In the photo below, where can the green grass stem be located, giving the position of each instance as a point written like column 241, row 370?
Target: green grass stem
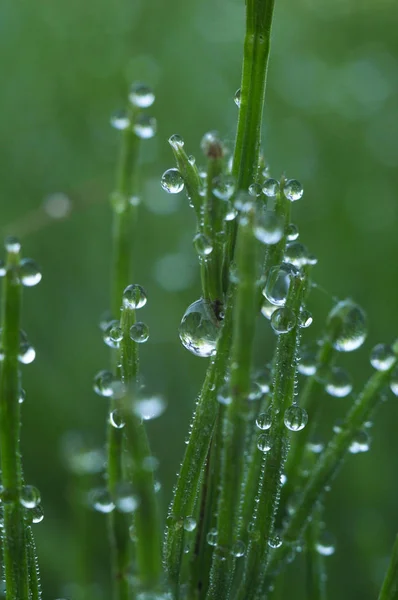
column 389, row 589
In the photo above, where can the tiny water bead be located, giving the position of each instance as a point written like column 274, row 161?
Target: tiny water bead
column 202, row 245
column 120, row 120
column 29, row 272
column 145, row 126
column 338, row 383
column 176, row 142
column 172, row 181
column 149, row 407
column 360, row 443
column 190, row 524
column 293, row 190
column 283, row 320
column 238, row 549
column 199, row 329
column 30, row 496
column 382, row 357
column 278, row 283
column 270, row 188
column 268, row 227
column 237, row 97
column 295, row 418
column 305, row 319
column 134, row 296
column 113, row 334
column 275, row 542
column 101, row 501
column 264, row 442
column 264, row 420
column 347, row 326
column 139, row 332
column 108, row 385
column 141, row 95
column 292, row 232
column 116, row 419
column 325, row 544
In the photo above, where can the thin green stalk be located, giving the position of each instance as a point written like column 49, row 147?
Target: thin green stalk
column 236, row 414
column 35, row 592
column 284, row 371
column 213, row 228
column 14, row 541
column 389, row 589
column 327, row 466
column 186, row 491
column 146, row 516
column 315, row 562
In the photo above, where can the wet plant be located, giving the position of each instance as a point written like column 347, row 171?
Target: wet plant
column 249, row 497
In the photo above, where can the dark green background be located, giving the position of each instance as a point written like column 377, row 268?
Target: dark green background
column 330, row 121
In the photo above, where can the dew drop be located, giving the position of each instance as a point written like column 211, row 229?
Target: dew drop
column 172, row 181
column 325, row 544
column 202, row 244
column 134, row 296
column 275, row 542
column 116, row 419
column 338, row 383
column 3, row 269
column 29, row 272
column 120, row 120
column 211, row 537
column 238, row 549
column 305, row 319
column 237, row 97
column 263, row 379
column 307, row 364
column 278, row 283
column 22, row 396
column 283, row 320
column 271, row 188
column 27, row 353
column 37, row 514
column 113, row 334
column 107, row 385
column 292, row 232
column 30, row 496
column 177, row 143
column 199, row 329
column 224, row 395
column 255, row 190
column 145, row 126
column 267, row 309
column 101, row 501
column 295, row 418
column 224, row 187
column 230, row 213
column 125, row 500
column 264, row 420
column 139, row 332
column 347, row 326
column 382, row 357
column 141, row 95
column 189, row 524
column 293, row 190
column 149, row 407
column 296, row 254
column 264, row 442
column 360, row 443
column 268, row 227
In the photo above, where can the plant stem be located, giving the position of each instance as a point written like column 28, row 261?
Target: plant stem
column 213, row 228
column 14, row 541
column 34, row 578
column 316, row 572
column 389, row 589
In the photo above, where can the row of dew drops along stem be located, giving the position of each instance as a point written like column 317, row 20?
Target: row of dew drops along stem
column 144, row 126
column 28, row 274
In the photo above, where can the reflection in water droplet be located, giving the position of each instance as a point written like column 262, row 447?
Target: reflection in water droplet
column 283, row 320
column 202, row 244
column 264, row 442
column 382, row 357
column 139, row 332
column 360, row 443
column 145, row 126
column 172, row 181
column 120, row 120
column 347, row 326
column 293, row 190
column 270, row 187
column 295, row 418
column 338, row 383
column 268, row 227
column 199, row 329
column 134, row 296
column 237, row 97
column 141, row 95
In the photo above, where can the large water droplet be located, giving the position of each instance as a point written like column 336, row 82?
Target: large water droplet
column 264, row 442
column 36, row 514
column 107, row 385
column 101, row 501
column 292, row 232
column 30, row 496
column 29, row 272
column 347, row 326
column 382, row 357
column 267, row 309
column 275, row 542
column 125, row 499
column 283, row 320
column 278, row 283
column 27, row 353
column 296, row 254
column 238, row 549
column 295, row 418
column 149, row 407
column 199, row 329
column 116, row 419
column 338, row 383
column 293, row 190
column 270, row 188
column 120, row 120
column 224, row 187
column 172, row 181
column 134, row 296
column 307, row 363
column 325, row 544
column 145, row 126
column 113, row 334
column 360, row 443
column 141, row 95
column 139, row 332
column 264, row 420
column 202, row 244
column 255, row 190
column 268, row 227
column 189, row 524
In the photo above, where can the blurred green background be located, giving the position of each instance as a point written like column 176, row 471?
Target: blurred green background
column 330, row 121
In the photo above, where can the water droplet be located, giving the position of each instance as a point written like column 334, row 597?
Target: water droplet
column 293, row 190
column 264, row 442
column 305, row 319
column 278, row 283
column 296, row 254
column 141, row 95
column 275, row 542
column 145, row 126
column 224, row 395
column 107, row 385
column 307, row 364
column 360, row 443
column 172, row 181
column 36, row 514
column 382, row 357
column 394, row 382
column 325, row 544
column 211, row 145
column 134, row 296
column 57, row 205
column 30, row 496
column 149, row 407
column 139, row 332
column 211, row 537
column 268, row 227
column 267, row 309
column 263, row 379
column 189, row 524
column 315, row 446
column 101, row 501
column 22, row 396
column 347, row 326
column 238, row 549
column 271, row 188
column 292, row 232
column 176, row 142
column 27, row 353
column 255, row 190
column 29, row 272
column 224, row 187
column 237, row 97
column 202, row 244
column 134, row 201
column 113, row 334
column 3, row 269
column 338, row 383
column 264, row 420
column 125, row 499
column 191, row 159
column 295, row 418
column 255, row 392
column 199, row 329
column 283, row 320
column 120, row 120
column 116, row 419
